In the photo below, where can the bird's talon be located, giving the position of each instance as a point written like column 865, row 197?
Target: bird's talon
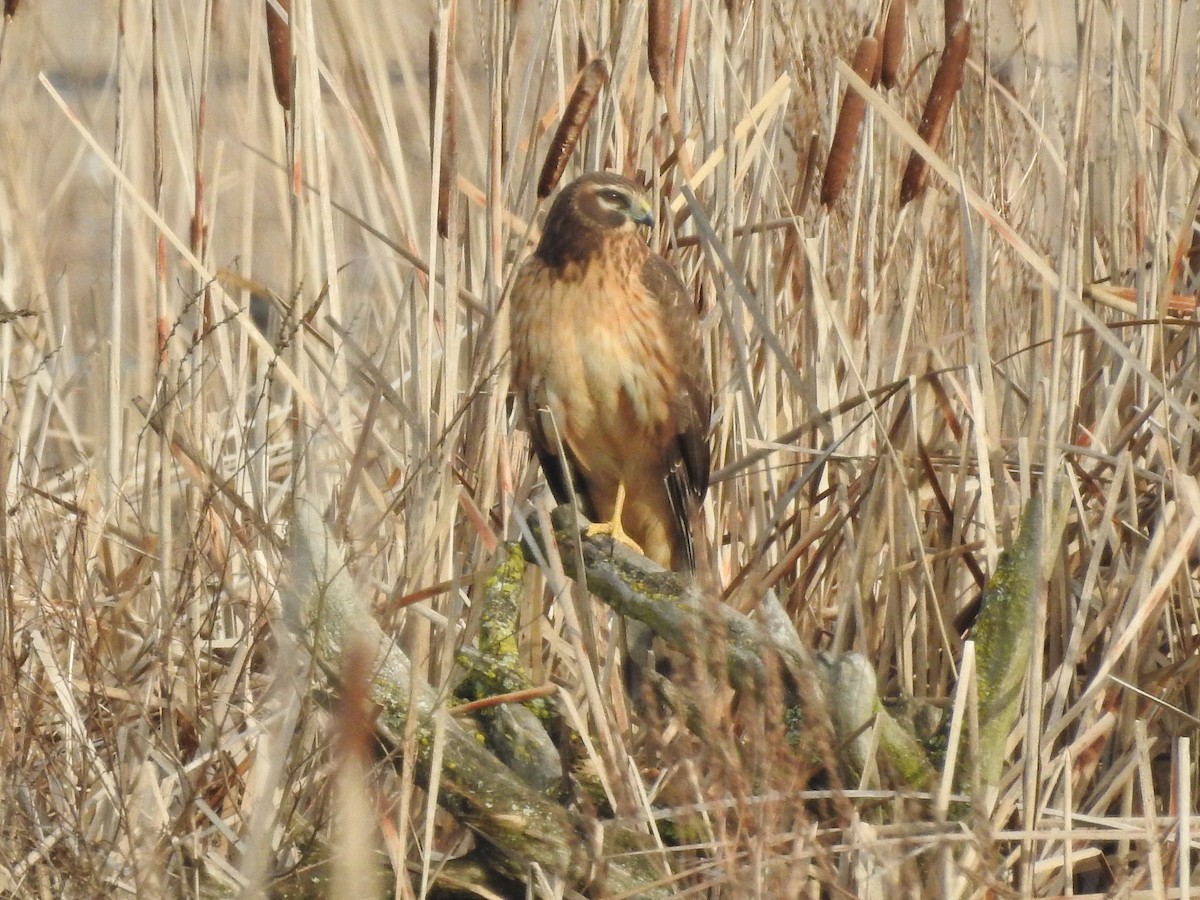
column 616, row 532
column 613, row 527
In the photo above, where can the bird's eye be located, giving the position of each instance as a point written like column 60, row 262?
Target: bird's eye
column 613, row 197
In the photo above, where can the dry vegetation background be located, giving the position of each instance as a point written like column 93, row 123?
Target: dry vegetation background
column 155, row 739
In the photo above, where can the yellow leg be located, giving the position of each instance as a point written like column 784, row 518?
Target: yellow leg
column 613, row 528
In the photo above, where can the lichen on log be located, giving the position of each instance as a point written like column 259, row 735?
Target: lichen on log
column 1003, row 636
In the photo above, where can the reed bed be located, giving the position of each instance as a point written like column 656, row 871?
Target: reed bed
column 212, row 305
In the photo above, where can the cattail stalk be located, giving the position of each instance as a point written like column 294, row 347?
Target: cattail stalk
column 575, row 116
column 946, row 84
column 850, row 117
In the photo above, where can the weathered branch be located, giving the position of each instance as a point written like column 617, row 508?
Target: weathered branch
column 522, row 825
column 516, row 732
column 837, row 693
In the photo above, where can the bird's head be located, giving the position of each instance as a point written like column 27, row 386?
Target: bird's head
column 590, row 209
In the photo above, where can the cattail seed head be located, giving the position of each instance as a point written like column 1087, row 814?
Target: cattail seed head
column 593, row 77
column 279, row 47
column 658, row 43
column 845, row 134
column 893, row 43
column 946, row 84
column 953, row 10
column 582, row 51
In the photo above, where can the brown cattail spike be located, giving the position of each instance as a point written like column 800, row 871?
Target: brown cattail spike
column 582, row 51
column 845, row 134
column 658, row 44
column 10, row 8
column 579, row 108
column 279, row 47
column 946, row 84
column 893, row 43
column 953, row 10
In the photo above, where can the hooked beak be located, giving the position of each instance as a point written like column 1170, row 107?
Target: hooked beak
column 642, row 214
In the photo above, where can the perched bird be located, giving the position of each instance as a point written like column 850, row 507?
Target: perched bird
column 607, row 359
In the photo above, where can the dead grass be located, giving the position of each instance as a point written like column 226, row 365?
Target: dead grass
column 161, row 736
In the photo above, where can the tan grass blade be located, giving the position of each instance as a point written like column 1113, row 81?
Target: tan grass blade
column 1183, row 802
column 772, row 101
column 989, row 213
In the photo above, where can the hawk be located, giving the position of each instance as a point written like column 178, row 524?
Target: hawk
column 607, row 359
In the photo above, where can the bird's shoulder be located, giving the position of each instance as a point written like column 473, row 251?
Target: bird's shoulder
column 661, row 280
column 532, row 285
